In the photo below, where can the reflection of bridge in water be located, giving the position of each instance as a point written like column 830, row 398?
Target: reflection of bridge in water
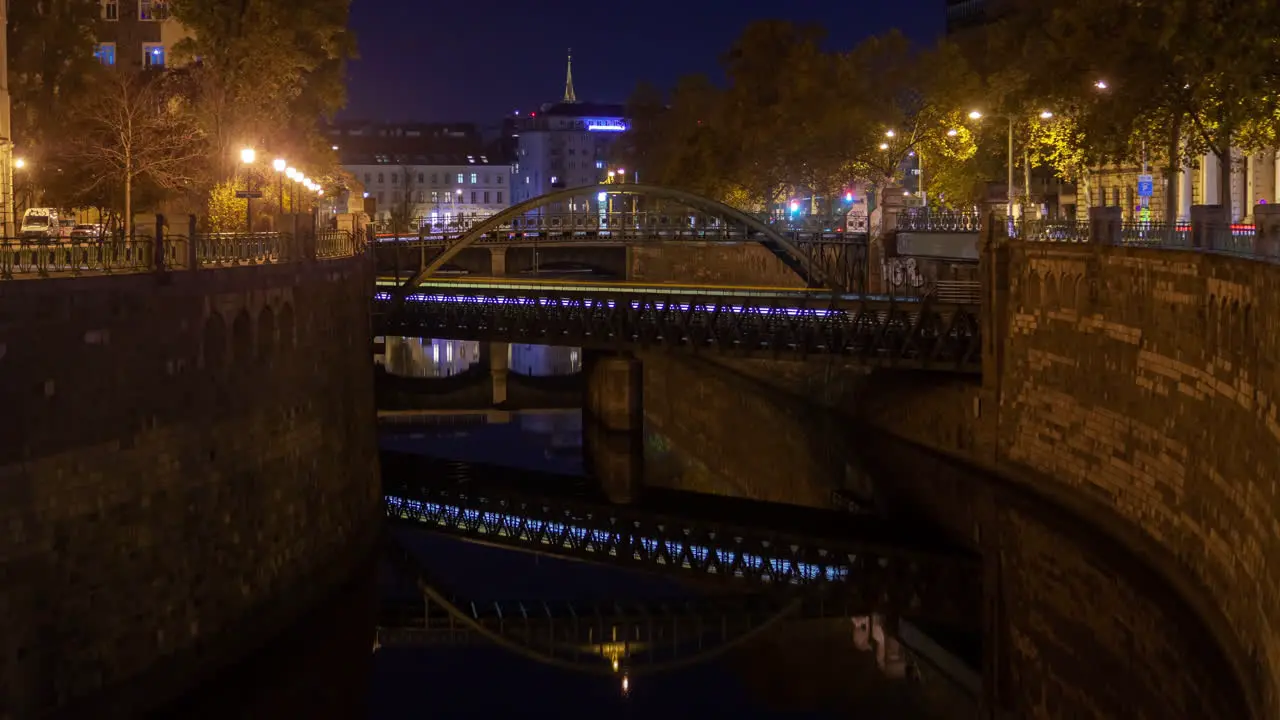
column 869, row 565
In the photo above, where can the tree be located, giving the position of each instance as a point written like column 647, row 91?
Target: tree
column 1187, row 76
column 267, row 71
column 133, row 128
column 51, row 64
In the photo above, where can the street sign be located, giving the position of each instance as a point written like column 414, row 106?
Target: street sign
column 248, row 194
column 1145, row 186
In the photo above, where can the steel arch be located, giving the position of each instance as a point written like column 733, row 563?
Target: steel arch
column 810, row 273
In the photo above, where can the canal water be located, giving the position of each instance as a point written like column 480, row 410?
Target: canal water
column 1064, row 623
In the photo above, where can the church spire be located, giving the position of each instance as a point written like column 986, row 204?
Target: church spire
column 569, row 96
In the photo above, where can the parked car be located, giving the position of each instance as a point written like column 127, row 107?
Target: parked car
column 87, row 231
column 65, row 226
column 40, row 224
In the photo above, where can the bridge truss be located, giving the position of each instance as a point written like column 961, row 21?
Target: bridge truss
column 885, row 332
column 872, row 570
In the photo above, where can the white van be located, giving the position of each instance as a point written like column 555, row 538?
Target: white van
column 40, row 224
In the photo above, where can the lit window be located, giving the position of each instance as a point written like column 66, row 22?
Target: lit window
column 473, row 178
column 153, row 9
column 152, row 55
column 435, row 196
column 111, row 9
column 554, row 178
column 599, row 164
column 459, row 178
column 105, row 53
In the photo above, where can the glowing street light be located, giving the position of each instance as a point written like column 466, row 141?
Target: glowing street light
column 889, row 133
column 279, row 164
column 952, row 132
column 975, row 115
column 884, row 146
column 1101, row 85
column 248, row 155
column 19, row 163
column 1045, row 114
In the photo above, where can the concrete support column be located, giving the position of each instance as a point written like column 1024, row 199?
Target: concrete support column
column 1275, row 180
column 1250, row 186
column 1185, row 190
column 615, row 391
column 498, row 262
column 499, row 370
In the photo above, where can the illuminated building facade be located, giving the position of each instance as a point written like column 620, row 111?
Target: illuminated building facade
column 137, row 34
column 564, row 145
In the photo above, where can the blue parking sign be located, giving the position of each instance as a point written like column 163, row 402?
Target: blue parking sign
column 1145, row 186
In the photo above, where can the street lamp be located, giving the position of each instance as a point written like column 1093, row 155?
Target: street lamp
column 1045, row 114
column 889, row 133
column 19, row 163
column 1101, row 85
column 952, row 132
column 247, row 156
column 884, row 146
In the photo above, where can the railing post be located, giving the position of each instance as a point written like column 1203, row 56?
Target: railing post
column 1266, row 223
column 1104, row 225
column 193, row 249
column 1204, row 218
column 158, row 250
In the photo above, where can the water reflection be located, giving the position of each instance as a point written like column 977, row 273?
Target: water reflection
column 427, row 357
column 545, row 361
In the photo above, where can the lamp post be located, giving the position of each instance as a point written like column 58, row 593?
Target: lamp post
column 247, row 156
column 1045, row 115
column 279, row 165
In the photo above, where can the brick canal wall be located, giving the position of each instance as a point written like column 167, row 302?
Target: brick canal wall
column 1138, row 388
column 186, row 465
column 712, row 263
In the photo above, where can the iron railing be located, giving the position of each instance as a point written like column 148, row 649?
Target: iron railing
column 933, row 220
column 70, row 257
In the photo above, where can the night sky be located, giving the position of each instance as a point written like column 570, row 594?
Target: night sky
column 449, row 61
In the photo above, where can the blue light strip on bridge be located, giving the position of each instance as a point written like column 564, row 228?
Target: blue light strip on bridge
column 802, row 571
column 420, row 298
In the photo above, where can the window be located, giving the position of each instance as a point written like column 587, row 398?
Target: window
column 435, row 196
column 599, row 164
column 486, row 197
column 473, row 178
column 486, row 178
column 395, row 179
column 499, row 182
column 153, row 10
column 395, row 197
column 473, row 197
column 111, row 9
column 433, row 178
column 459, row 178
column 499, row 197
column 105, row 53
column 422, row 196
column 367, row 179
column 379, row 178
column 152, row 55
column 554, row 179
column 420, row 176
column 380, row 196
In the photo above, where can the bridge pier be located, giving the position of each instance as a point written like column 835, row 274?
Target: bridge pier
column 615, row 391
column 616, row 459
column 498, row 262
column 499, row 371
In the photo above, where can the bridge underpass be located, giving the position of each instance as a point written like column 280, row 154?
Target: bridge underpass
column 873, row 565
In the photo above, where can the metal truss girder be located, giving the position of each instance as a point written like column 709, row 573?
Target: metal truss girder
column 921, row 335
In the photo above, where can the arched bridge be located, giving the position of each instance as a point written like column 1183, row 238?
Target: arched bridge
column 626, row 214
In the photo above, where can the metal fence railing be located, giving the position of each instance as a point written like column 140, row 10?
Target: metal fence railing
column 116, row 253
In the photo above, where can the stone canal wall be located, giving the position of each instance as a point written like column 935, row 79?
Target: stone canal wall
column 187, row 462
column 711, row 263
column 1138, row 388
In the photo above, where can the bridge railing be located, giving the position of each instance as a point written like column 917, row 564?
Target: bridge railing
column 918, row 219
column 1239, row 239
column 163, row 250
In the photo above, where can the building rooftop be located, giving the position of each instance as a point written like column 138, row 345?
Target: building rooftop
column 393, row 158
column 584, row 109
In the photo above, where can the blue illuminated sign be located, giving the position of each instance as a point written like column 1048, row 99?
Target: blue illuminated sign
column 606, row 124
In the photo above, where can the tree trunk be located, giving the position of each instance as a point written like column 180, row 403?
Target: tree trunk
column 1173, row 177
column 1086, row 184
column 1224, row 181
column 128, row 204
